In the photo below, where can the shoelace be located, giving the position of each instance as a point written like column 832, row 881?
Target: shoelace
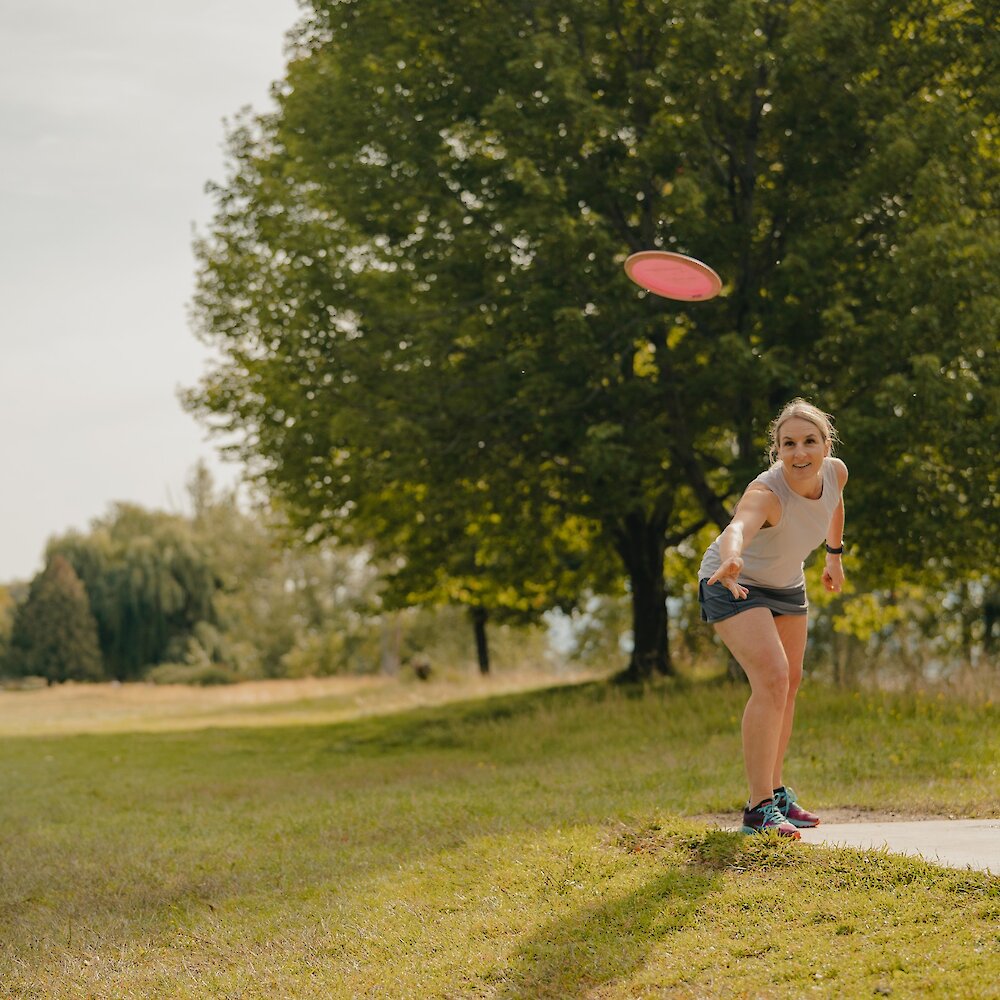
column 787, row 798
column 772, row 815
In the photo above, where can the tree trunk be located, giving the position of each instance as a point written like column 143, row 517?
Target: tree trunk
column 391, row 642
column 641, row 545
column 991, row 616
column 479, row 617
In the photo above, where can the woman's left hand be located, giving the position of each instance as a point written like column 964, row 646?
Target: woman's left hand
column 833, row 574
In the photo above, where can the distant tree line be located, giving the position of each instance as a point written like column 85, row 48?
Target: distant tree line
column 220, row 595
column 226, row 594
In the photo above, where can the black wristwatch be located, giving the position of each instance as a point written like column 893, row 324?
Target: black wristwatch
column 835, row 552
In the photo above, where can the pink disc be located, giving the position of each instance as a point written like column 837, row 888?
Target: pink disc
column 673, row 275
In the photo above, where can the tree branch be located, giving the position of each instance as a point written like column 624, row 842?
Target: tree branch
column 682, row 534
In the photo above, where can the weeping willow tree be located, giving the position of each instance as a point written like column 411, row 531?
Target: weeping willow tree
column 148, row 582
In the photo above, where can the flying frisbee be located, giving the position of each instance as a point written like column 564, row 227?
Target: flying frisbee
column 673, row 275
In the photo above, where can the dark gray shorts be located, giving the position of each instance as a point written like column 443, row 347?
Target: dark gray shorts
column 718, row 604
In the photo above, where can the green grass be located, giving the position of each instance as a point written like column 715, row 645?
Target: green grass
column 541, row 844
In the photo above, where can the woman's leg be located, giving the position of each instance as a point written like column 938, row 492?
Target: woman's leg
column 752, row 637
column 792, row 631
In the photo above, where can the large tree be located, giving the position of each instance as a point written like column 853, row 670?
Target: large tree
column 414, row 273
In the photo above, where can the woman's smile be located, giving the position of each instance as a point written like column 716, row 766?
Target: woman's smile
column 801, row 449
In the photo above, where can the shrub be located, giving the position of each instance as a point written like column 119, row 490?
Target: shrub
column 203, row 675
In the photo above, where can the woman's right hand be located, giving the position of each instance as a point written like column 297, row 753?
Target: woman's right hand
column 727, row 574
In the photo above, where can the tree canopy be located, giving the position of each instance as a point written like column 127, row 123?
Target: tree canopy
column 414, row 278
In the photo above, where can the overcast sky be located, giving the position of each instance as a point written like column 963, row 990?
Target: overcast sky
column 111, row 122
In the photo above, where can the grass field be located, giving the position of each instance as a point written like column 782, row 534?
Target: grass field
column 535, row 843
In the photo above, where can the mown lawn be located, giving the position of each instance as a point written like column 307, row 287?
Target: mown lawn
column 541, row 844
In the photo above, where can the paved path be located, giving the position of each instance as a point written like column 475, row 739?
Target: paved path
column 958, row 843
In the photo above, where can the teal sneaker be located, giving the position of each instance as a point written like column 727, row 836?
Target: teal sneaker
column 764, row 817
column 785, row 800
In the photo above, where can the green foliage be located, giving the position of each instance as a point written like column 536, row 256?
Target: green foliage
column 442, row 638
column 148, row 582
column 283, row 608
column 289, row 609
column 596, row 630
column 414, row 281
column 910, row 634
column 231, row 594
column 54, row 634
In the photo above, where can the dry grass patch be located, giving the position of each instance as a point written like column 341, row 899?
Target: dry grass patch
column 133, row 707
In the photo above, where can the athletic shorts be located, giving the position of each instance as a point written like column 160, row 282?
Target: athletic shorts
column 717, row 603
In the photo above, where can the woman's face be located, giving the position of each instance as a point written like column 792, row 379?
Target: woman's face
column 801, row 449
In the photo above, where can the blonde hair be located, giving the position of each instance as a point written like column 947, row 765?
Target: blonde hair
column 804, row 410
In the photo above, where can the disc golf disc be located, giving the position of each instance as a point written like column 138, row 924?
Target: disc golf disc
column 673, row 275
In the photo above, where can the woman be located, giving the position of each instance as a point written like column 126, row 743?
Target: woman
column 752, row 590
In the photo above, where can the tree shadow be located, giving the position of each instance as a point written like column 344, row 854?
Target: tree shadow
column 599, row 944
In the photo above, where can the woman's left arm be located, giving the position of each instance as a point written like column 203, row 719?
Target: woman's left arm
column 833, row 572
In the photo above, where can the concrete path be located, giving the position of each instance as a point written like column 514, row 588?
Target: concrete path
column 957, row 843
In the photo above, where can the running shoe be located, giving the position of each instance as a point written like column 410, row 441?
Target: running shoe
column 785, row 800
column 764, row 817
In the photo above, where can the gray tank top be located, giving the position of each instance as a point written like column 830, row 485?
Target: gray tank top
column 775, row 555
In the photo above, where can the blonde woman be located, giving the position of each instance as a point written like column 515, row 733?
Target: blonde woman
column 752, row 590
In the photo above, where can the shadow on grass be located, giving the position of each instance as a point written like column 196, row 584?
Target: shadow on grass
column 456, row 724
column 151, row 834
column 600, row 944
column 465, row 723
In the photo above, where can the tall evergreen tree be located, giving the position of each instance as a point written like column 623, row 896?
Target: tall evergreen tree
column 55, row 634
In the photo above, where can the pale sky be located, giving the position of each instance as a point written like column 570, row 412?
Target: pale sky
column 111, row 122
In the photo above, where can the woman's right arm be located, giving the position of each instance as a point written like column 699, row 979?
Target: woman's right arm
column 756, row 508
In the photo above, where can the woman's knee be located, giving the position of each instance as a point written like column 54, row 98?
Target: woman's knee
column 770, row 680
